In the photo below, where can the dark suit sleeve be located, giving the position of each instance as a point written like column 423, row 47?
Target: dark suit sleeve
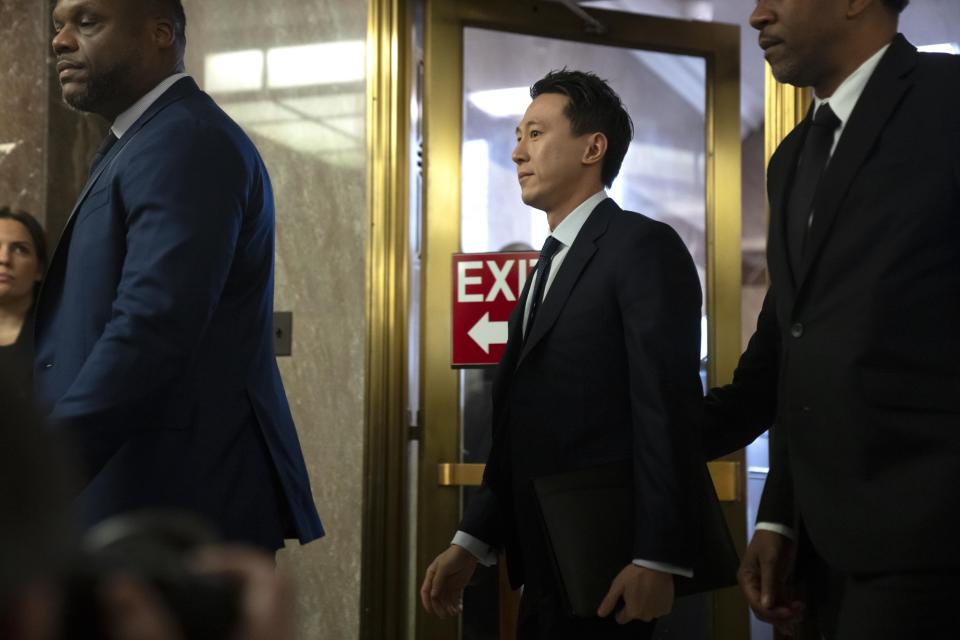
column 183, row 196
column 740, row 411
column 658, row 292
column 776, row 503
column 482, row 518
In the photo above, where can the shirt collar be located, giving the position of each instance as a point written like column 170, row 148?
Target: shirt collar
column 569, row 228
column 844, row 99
column 126, row 119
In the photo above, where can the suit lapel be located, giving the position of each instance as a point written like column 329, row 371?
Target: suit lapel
column 180, row 89
column 566, row 277
column 880, row 98
column 781, row 174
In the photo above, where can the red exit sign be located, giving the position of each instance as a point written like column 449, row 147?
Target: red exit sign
column 486, row 288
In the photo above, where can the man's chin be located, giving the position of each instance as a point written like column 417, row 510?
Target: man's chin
column 77, row 98
column 530, row 199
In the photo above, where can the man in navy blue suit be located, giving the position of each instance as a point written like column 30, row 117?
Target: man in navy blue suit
column 154, row 351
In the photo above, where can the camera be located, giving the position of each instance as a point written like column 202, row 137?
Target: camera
column 156, row 548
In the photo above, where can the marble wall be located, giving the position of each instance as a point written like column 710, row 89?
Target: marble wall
column 23, row 105
column 293, row 75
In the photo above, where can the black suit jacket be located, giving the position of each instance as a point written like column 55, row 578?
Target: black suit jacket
column 857, row 357
column 609, row 372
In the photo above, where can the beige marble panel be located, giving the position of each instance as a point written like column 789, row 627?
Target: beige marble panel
column 23, row 103
column 312, row 140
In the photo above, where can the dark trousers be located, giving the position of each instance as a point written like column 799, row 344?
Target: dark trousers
column 892, row 606
column 542, row 617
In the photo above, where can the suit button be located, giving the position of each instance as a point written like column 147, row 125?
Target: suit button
column 796, row 330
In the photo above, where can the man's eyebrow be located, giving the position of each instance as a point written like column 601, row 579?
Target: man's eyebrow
column 528, row 123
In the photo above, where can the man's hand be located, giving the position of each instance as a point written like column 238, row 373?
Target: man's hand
column 763, row 579
column 442, row 590
column 646, row 594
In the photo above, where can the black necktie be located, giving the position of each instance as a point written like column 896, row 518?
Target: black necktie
column 550, row 247
column 813, row 160
column 102, row 151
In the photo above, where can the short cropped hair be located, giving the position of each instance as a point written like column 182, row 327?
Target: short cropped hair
column 897, row 6
column 593, row 107
column 36, row 232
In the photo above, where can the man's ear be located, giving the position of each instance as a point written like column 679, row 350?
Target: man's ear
column 596, row 149
column 164, row 32
column 856, row 7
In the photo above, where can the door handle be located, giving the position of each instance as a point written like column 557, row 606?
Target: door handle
column 725, row 475
column 458, row 474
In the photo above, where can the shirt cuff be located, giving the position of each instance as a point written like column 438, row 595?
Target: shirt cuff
column 484, row 553
column 663, row 567
column 782, row 529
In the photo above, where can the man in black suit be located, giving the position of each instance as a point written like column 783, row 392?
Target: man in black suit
column 601, row 366
column 856, row 351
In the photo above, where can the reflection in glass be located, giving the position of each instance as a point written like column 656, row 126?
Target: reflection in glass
column 294, row 97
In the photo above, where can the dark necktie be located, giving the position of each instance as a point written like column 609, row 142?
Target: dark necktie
column 813, row 161
column 550, row 247
column 102, row 151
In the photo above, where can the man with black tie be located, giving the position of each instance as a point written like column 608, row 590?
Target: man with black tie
column 601, row 366
column 153, row 329
column 855, row 356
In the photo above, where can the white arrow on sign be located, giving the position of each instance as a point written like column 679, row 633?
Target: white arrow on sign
column 486, row 333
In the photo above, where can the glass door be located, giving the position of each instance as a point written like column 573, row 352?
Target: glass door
column 679, row 81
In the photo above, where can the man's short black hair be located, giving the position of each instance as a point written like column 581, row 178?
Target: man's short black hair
column 593, row 107
column 897, row 6
column 173, row 9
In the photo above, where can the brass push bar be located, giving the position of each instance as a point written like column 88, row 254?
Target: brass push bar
column 725, row 474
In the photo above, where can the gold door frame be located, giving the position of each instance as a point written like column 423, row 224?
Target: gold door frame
column 384, row 557
column 719, row 45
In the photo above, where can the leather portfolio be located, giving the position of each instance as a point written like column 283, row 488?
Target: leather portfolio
column 588, row 521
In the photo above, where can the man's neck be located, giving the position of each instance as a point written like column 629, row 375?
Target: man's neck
column 859, row 53
column 111, row 112
column 558, row 214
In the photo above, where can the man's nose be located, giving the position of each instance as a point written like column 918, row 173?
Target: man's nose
column 64, row 42
column 519, row 153
column 761, row 16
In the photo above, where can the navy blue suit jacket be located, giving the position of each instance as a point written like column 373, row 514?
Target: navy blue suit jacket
column 153, row 331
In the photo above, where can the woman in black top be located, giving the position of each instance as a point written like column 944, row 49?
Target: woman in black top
column 23, row 259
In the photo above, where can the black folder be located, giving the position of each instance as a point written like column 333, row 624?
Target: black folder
column 588, row 520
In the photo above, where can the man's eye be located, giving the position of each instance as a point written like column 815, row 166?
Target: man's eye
column 534, row 134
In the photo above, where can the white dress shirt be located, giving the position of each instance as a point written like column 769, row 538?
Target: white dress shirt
column 565, row 233
column 842, row 102
column 126, row 119
column 845, row 98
